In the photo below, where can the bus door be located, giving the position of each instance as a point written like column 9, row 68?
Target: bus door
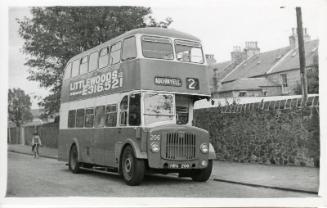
column 129, row 117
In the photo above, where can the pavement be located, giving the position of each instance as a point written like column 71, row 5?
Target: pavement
column 288, row 178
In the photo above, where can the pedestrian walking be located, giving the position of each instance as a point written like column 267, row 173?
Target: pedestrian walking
column 36, row 143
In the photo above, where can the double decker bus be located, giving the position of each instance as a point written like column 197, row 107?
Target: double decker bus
column 127, row 106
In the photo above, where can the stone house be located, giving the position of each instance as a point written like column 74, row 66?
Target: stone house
column 254, row 73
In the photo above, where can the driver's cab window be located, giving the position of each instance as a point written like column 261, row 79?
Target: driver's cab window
column 134, row 117
column 183, row 104
column 123, row 111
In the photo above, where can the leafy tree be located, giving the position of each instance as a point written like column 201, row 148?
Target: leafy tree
column 19, row 106
column 55, row 34
column 313, row 83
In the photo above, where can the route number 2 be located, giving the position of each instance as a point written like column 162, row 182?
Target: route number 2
column 192, row 83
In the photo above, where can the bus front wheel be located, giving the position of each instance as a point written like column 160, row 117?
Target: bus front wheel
column 132, row 168
column 203, row 174
column 74, row 165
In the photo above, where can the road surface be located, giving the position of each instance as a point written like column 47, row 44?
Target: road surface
column 28, row 177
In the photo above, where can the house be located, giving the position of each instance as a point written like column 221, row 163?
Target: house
column 254, row 73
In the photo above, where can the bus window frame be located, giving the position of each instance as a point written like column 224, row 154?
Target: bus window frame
column 203, row 57
column 111, row 112
column 79, row 62
column 108, row 47
column 87, row 65
column 97, row 61
column 120, row 111
column 171, row 40
column 120, row 53
column 122, row 48
column 89, row 108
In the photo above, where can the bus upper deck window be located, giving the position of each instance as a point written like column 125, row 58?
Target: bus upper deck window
column 129, row 48
column 83, row 66
column 104, row 57
column 93, row 62
column 155, row 47
column 187, row 51
column 68, row 70
column 75, row 68
column 115, row 53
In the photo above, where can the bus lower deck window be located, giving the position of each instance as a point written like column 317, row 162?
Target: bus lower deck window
column 135, row 110
column 111, row 115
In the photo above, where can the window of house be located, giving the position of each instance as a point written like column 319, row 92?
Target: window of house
column 155, row 47
column 93, row 62
column 99, row 116
column 115, row 53
column 129, row 48
column 284, row 80
column 134, row 118
column 83, row 66
column 68, row 70
column 89, row 117
column 265, row 92
column 71, row 118
column 75, row 69
column 80, row 113
column 111, row 115
column 123, row 111
column 104, row 57
column 242, row 94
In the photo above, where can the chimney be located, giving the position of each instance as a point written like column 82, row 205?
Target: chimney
column 251, row 48
column 210, row 59
column 294, row 40
column 237, row 55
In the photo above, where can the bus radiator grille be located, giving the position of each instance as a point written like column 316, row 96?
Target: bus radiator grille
column 180, row 146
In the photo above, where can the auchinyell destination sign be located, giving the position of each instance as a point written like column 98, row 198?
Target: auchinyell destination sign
column 96, row 84
column 168, row 81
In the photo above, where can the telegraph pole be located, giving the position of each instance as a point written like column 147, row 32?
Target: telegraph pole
column 304, row 83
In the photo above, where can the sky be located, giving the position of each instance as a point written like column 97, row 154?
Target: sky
column 219, row 24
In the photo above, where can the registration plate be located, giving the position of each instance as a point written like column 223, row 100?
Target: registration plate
column 182, row 166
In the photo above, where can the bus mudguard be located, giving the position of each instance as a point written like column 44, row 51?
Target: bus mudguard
column 135, row 146
column 212, row 153
column 75, row 142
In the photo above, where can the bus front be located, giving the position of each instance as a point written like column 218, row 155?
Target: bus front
column 173, row 76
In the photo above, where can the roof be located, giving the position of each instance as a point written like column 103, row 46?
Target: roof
column 247, row 84
column 274, row 61
column 291, row 61
column 257, row 65
column 148, row 31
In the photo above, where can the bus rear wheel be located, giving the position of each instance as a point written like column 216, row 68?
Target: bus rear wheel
column 203, row 174
column 74, row 164
column 132, row 168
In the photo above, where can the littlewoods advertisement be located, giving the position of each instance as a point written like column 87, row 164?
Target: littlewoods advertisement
column 99, row 83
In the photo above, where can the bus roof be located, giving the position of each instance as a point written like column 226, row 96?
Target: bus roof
column 146, row 31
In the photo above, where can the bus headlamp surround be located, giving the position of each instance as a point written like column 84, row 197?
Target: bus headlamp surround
column 155, row 147
column 204, row 147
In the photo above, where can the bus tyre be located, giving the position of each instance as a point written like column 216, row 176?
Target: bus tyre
column 132, row 168
column 74, row 165
column 203, row 174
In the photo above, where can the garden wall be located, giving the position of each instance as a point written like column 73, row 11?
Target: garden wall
column 275, row 132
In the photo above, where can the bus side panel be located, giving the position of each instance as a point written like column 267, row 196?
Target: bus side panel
column 83, row 138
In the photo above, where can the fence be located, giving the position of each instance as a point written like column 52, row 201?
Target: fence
column 274, row 132
column 23, row 135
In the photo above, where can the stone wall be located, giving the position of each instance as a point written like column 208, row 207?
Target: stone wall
column 275, row 132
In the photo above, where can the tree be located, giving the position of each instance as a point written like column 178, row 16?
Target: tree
column 19, row 106
column 313, row 83
column 55, row 34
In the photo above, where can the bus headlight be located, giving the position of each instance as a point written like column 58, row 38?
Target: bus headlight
column 204, row 147
column 155, row 147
